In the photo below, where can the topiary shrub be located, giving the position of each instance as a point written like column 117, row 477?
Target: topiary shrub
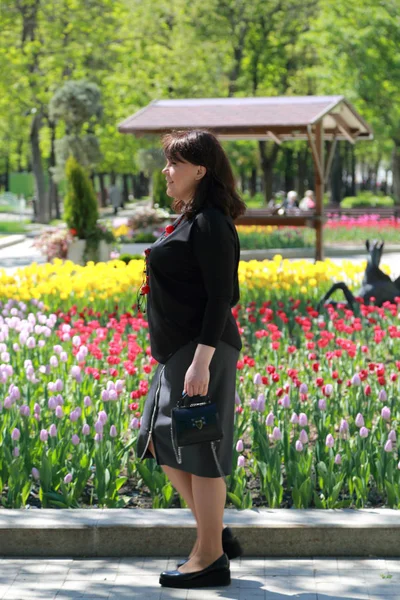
column 80, row 203
column 160, row 190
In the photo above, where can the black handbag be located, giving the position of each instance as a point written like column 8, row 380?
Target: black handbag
column 194, row 420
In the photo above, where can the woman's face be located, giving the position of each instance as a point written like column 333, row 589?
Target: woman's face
column 182, row 178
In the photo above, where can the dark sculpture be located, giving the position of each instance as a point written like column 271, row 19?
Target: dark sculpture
column 375, row 283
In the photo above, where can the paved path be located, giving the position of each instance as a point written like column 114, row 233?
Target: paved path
column 252, row 579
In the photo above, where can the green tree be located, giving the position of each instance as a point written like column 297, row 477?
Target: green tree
column 80, row 206
column 358, row 54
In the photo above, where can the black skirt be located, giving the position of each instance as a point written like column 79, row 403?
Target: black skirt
column 166, row 387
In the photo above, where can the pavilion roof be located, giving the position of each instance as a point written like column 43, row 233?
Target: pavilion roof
column 280, row 118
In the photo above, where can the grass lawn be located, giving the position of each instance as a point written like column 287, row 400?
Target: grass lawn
column 13, row 227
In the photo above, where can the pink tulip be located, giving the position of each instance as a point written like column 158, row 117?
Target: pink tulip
column 385, row 413
column 382, row 396
column 276, row 434
column 241, row 461
column 16, row 434
column 303, row 436
column 330, row 442
column 389, row 446
column 269, row 421
column 261, row 403
column 299, row 446
column 239, row 446
column 359, row 420
column 338, row 459
column 103, row 416
column 257, row 379
column 364, row 432
column 303, row 420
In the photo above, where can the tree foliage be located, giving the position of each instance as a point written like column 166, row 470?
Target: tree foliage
column 136, row 52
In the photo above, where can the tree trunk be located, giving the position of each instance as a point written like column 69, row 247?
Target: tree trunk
column 53, row 190
column 289, row 173
column 7, row 174
column 125, row 189
column 19, row 153
column 103, row 192
column 253, row 182
column 396, row 172
column 42, row 198
column 376, row 169
column 336, row 177
column 134, row 186
column 267, row 166
column 353, row 189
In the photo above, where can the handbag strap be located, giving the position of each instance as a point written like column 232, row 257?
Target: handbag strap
column 180, row 403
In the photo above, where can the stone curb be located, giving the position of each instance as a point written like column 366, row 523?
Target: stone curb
column 140, row 532
column 11, row 240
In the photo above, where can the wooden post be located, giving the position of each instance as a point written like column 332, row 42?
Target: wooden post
column 319, row 190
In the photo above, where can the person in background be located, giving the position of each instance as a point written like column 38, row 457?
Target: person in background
column 291, row 200
column 114, row 195
column 308, row 202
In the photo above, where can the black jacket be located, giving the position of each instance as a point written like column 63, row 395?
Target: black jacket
column 193, row 278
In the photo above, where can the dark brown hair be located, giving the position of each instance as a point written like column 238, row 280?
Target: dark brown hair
column 217, row 188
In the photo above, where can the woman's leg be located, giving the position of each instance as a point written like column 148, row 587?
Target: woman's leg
column 182, row 482
column 209, row 494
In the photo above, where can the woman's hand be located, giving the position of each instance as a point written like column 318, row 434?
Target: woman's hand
column 197, row 379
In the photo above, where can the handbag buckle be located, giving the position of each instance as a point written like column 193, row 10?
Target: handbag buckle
column 199, row 423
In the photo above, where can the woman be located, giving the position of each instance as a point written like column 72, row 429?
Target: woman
column 192, row 285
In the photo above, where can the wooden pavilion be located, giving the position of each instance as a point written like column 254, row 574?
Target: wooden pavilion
column 312, row 118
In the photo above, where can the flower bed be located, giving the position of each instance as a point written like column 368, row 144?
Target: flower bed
column 337, row 231
column 317, row 395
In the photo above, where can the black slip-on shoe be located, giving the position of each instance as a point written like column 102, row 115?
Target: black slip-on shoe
column 230, row 544
column 216, row 574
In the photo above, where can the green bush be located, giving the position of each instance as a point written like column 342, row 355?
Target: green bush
column 160, row 190
column 256, row 201
column 128, row 257
column 80, row 204
column 367, row 199
column 144, row 238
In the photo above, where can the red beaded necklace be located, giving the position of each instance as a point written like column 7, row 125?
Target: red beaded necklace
column 145, row 286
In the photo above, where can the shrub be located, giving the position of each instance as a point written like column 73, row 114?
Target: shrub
column 366, row 199
column 160, row 190
column 144, row 238
column 126, row 258
column 80, row 204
